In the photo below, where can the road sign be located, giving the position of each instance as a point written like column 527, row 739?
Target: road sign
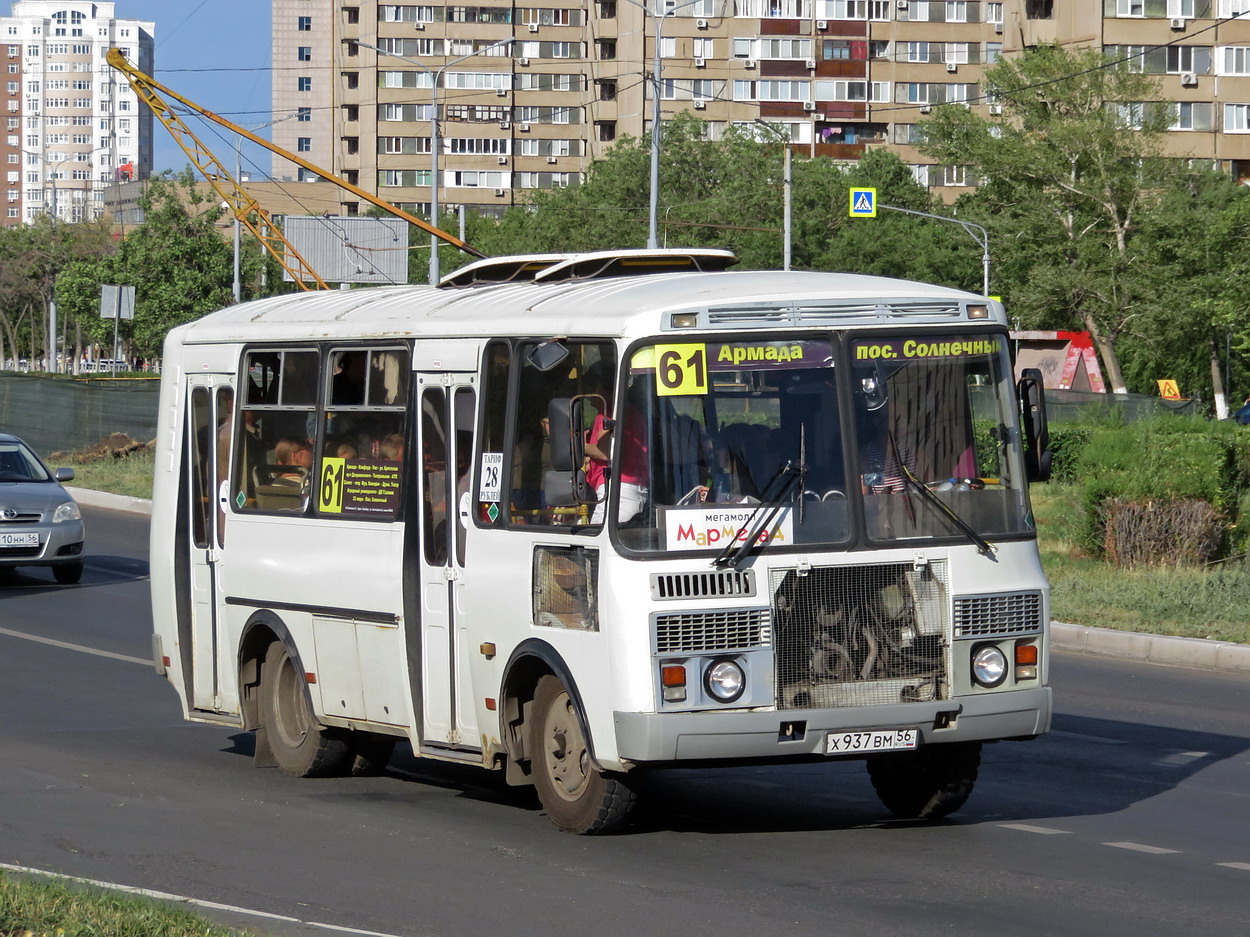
column 1169, row 390
column 115, row 300
column 863, row 203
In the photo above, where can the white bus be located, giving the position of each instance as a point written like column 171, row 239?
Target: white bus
column 574, row 516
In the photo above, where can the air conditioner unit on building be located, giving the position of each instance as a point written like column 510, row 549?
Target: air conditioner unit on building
column 503, row 161
column 504, row 125
column 524, row 128
column 700, row 63
column 809, row 105
column 903, row 4
column 822, row 25
column 700, row 24
column 749, row 63
column 996, row 108
column 1189, row 79
column 952, row 67
column 499, row 193
column 501, row 92
column 700, row 105
column 1177, row 22
column 551, row 161
column 926, row 109
column 998, row 28
column 524, row 63
column 533, row 27
column 818, row 116
column 419, row 26
column 811, row 64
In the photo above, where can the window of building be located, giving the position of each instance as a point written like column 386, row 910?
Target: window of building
column 607, row 49
column 956, row 11
column 607, row 130
column 994, row 11
column 303, row 115
column 304, row 23
column 1234, row 60
column 607, row 90
column 305, row 54
column 1237, row 118
column 1039, row 9
column 303, row 83
column 1192, row 116
column 304, row 145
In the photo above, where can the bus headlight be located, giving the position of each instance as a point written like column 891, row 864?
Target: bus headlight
column 989, row 665
column 724, row 680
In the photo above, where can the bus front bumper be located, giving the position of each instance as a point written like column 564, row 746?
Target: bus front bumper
column 761, row 734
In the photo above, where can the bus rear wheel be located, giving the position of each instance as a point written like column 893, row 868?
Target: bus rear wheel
column 301, row 747
column 929, row 783
column 578, row 797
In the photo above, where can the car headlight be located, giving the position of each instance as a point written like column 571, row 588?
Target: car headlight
column 989, row 665
column 66, row 512
column 724, row 680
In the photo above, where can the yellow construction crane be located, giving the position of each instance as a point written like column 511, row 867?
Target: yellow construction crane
column 243, row 206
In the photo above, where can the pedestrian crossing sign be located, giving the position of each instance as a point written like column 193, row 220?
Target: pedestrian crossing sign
column 863, row 203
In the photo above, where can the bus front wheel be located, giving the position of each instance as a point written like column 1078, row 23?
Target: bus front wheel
column 578, row 797
column 301, row 747
column 928, row 783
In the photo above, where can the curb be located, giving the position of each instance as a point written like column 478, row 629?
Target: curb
column 109, row 501
column 1151, row 648
column 1101, row 642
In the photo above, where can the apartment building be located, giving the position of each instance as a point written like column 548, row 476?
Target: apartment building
column 71, row 128
column 835, row 76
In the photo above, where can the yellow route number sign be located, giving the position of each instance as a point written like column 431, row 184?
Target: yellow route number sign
column 1169, row 390
column 330, row 486
column 680, row 370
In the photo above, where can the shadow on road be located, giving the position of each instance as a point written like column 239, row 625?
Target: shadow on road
column 99, row 569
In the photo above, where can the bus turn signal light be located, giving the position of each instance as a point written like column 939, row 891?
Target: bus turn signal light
column 673, row 680
column 1026, row 661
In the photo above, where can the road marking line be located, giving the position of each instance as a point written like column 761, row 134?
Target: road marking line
column 1180, row 759
column 1025, row 827
column 1081, row 736
column 75, row 647
column 1243, row 866
column 1139, row 847
column 196, row 902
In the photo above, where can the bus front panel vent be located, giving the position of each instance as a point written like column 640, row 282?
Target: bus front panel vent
column 978, row 616
column 712, row 631
column 711, row 584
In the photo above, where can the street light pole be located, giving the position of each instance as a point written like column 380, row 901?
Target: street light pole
column 983, row 239
column 53, row 364
column 657, row 66
column 787, row 192
column 436, row 79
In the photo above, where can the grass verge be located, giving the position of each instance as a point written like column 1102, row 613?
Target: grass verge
column 54, row 909
column 131, row 475
column 1192, row 602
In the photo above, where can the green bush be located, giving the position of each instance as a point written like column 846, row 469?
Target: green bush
column 1066, row 442
column 1151, row 465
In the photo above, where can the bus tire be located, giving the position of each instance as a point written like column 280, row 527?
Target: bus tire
column 301, row 747
column 578, row 797
column 929, row 783
column 371, row 753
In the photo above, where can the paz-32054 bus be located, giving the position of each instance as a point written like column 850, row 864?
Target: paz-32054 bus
column 574, row 516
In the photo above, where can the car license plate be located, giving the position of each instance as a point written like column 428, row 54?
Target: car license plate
column 880, row 740
column 30, row 539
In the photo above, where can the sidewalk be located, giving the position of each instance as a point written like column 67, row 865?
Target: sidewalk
column 1102, row 642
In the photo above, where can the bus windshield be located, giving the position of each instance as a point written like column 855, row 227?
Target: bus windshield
column 937, row 411
column 713, row 430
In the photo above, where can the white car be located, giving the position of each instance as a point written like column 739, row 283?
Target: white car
column 40, row 524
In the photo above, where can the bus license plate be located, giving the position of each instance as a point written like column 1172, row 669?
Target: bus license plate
column 19, row 540
column 884, row 740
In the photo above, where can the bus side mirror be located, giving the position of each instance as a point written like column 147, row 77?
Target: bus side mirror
column 1037, row 453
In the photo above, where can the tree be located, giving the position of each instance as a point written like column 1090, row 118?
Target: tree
column 179, row 263
column 728, row 193
column 1073, row 169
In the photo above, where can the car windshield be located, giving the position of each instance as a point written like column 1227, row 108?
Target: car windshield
column 19, row 464
column 710, row 427
column 937, row 411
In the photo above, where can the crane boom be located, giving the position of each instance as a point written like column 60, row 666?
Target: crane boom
column 150, row 91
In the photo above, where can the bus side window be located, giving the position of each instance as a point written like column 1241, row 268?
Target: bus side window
column 274, row 431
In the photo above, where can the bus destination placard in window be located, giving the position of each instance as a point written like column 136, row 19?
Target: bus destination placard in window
column 358, row 486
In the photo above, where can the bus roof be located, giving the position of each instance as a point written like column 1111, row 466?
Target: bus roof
column 617, row 305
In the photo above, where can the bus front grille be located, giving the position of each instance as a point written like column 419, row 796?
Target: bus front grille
column 699, row 632
column 861, row 635
column 978, row 616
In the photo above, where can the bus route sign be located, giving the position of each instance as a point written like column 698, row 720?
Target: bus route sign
column 863, row 203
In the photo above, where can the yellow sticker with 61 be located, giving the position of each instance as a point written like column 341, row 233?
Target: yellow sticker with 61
column 681, row 370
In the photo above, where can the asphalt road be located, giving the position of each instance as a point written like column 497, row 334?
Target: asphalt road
column 1131, row 818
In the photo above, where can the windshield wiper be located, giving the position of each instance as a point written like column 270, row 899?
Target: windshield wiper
column 775, row 493
column 911, row 481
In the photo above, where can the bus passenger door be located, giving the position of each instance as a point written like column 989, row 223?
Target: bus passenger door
column 209, row 414
column 445, row 428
